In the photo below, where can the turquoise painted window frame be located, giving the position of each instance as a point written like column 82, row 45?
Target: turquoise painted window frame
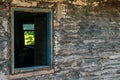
column 49, row 40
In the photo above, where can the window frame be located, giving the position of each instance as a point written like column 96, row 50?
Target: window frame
column 49, row 41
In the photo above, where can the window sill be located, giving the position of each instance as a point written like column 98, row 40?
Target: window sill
column 30, row 74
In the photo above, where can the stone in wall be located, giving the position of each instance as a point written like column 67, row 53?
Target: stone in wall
column 24, row 3
column 3, row 47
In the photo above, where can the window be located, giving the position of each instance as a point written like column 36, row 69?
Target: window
column 29, row 36
column 31, row 39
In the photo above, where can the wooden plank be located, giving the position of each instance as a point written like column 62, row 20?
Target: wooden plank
column 30, row 74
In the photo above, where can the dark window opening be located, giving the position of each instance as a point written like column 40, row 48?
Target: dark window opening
column 31, row 37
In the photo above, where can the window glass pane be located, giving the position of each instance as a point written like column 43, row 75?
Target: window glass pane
column 29, row 38
column 28, row 26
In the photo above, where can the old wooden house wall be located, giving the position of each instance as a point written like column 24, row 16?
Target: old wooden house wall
column 86, row 40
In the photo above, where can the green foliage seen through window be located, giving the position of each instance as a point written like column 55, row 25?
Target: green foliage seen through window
column 29, row 38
